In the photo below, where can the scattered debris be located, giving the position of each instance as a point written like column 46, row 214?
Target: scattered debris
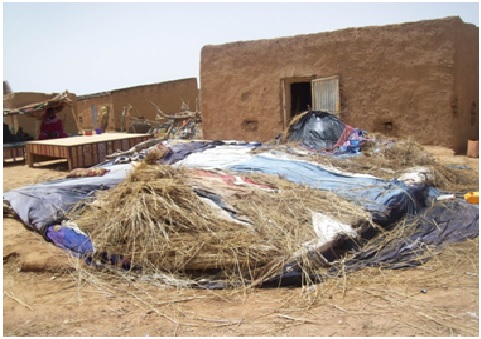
column 214, row 214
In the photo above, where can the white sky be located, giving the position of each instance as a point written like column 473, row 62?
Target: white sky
column 89, row 47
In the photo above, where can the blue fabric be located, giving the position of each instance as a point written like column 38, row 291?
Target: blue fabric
column 14, row 144
column 408, row 245
column 385, row 200
column 442, row 224
column 70, row 240
column 44, row 204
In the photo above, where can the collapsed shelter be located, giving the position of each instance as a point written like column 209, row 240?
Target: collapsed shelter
column 416, row 79
column 30, row 123
column 136, row 102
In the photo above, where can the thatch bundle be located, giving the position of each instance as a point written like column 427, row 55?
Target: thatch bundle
column 388, row 158
column 157, row 220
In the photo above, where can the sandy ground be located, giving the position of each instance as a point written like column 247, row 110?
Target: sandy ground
column 48, row 293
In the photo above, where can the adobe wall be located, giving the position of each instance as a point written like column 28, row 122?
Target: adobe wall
column 466, row 83
column 167, row 95
column 31, row 125
column 403, row 74
column 16, row 100
column 84, row 109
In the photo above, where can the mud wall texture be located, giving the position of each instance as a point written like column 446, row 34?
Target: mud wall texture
column 168, row 96
column 401, row 80
column 85, row 107
column 465, row 101
column 31, row 125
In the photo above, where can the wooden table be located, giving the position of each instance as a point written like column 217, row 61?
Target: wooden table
column 82, row 151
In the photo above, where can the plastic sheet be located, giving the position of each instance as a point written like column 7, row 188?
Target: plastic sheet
column 42, row 206
column 317, row 130
column 181, row 151
column 387, row 201
column 434, row 227
column 45, row 204
column 70, row 239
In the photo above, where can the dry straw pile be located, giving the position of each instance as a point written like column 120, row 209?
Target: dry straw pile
column 388, row 158
column 156, row 219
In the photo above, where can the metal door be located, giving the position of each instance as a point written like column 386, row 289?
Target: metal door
column 325, row 95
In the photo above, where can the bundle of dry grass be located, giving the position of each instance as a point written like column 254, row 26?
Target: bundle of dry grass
column 415, row 239
column 383, row 158
column 389, row 158
column 157, row 220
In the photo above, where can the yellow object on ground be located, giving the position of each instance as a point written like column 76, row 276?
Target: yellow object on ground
column 472, row 197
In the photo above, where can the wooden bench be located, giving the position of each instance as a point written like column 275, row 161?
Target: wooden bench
column 14, row 151
column 82, row 151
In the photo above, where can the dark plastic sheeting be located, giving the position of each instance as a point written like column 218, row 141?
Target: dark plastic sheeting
column 317, row 130
column 444, row 223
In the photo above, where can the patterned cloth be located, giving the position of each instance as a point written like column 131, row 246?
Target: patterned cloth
column 87, row 172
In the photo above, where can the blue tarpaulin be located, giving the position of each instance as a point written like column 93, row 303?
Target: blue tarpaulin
column 70, row 239
column 46, row 204
column 441, row 224
column 385, row 200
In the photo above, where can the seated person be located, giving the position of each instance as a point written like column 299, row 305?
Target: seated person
column 7, row 135
column 23, row 136
column 52, row 127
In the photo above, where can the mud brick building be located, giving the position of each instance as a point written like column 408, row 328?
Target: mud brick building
column 168, row 96
column 417, row 79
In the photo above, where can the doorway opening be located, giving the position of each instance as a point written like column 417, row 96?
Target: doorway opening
column 296, row 97
column 301, row 97
column 301, row 93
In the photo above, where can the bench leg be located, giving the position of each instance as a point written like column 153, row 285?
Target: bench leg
column 30, row 159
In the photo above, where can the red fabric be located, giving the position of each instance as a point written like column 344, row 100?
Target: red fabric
column 344, row 136
column 51, row 128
